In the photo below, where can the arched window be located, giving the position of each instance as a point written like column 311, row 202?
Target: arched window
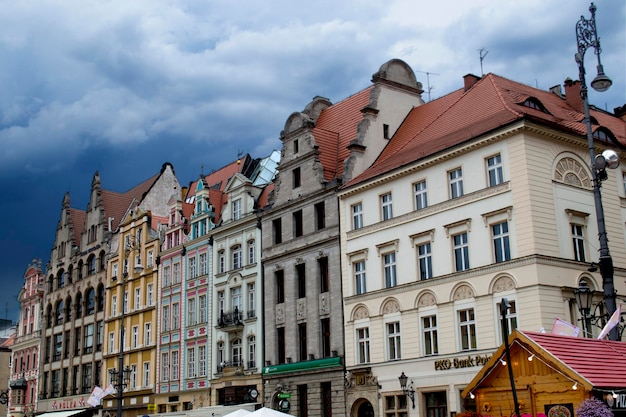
column 236, row 351
column 50, row 283
column 79, row 305
column 90, row 302
column 49, row 314
column 101, row 261
column 236, row 256
column 68, row 309
column 70, row 271
column 91, row 264
column 100, row 298
column 80, row 270
column 58, row 319
column 60, row 279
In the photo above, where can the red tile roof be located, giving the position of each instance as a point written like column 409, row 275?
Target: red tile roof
column 601, row 362
column 491, row 103
column 335, row 128
column 263, row 199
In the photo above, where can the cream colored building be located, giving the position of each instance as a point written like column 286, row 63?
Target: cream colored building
column 482, row 194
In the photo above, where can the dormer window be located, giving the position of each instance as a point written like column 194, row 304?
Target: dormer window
column 533, row 103
column 602, row 133
column 237, row 209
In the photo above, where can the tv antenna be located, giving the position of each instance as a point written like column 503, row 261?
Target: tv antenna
column 428, row 86
column 482, row 53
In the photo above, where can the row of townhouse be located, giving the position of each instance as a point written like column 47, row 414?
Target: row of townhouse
column 383, row 247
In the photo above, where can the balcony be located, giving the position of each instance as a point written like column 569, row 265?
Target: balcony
column 230, row 321
column 234, row 367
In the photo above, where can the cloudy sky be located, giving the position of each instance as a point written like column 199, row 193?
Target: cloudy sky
column 120, row 86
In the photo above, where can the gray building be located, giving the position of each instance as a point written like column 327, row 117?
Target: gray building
column 324, row 146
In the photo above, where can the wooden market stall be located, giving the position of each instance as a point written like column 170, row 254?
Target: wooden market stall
column 552, row 375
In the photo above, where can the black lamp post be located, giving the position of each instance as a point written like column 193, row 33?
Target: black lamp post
column 587, row 37
column 408, row 391
column 504, row 307
column 584, row 298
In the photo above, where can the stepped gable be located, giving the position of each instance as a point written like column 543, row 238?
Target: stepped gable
column 335, row 128
column 78, row 218
column 483, row 105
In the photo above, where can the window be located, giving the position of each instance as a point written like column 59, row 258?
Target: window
column 166, row 318
column 280, row 344
column 325, row 328
column 467, row 328
column 302, row 348
column 191, row 363
column 425, row 261
column 578, row 238
column 510, row 317
column 203, row 264
column 456, row 183
column 88, row 338
column 150, row 295
column 461, row 252
column 494, row 170
column 137, row 298
column 303, row 403
column 111, row 342
column 220, row 302
column 147, row 333
column 420, row 194
column 251, row 300
column 87, row 373
column 357, row 215
column 322, row 267
column 280, row 286
column 165, row 366
column 363, row 345
column 389, row 267
column 150, row 262
column 359, row 277
column 385, row 131
column 301, row 279
column 327, row 400
column 193, row 270
column 125, row 302
column 277, row 231
column 429, row 328
column 220, row 353
column 251, row 352
column 251, row 252
column 176, row 274
column 393, row 341
column 296, row 177
column 167, row 276
column 146, row 374
column 320, row 216
column 386, row 209
column 237, row 209
column 235, row 297
column 221, row 262
column 135, row 340
column 236, row 252
column 236, row 352
column 501, row 246
column 99, row 335
column 133, row 376
column 202, row 360
column 191, row 311
column 202, row 317
column 175, row 362
column 175, row 316
column 295, row 146
column 297, row 223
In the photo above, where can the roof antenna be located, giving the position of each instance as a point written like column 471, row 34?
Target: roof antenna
column 428, row 87
column 482, row 53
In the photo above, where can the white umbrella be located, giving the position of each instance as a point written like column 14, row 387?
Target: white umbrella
column 267, row 412
column 238, row 413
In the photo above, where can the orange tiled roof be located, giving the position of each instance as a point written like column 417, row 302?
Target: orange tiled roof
column 491, row 103
column 601, row 362
column 335, row 128
column 263, row 199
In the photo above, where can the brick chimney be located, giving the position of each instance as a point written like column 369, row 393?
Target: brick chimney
column 620, row 112
column 572, row 94
column 469, row 80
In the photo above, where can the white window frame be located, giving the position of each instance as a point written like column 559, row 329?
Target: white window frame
column 420, row 193
column 175, row 365
column 175, row 316
column 165, row 366
column 460, row 247
column 203, row 264
column 202, row 308
column 467, row 324
column 357, row 215
column 455, row 180
column 236, row 209
column 147, row 333
column 191, row 312
column 494, row 170
column 237, row 261
column 137, row 298
column 363, row 354
column 360, row 276
column 193, row 270
column 393, row 343
column 150, row 295
column 202, row 360
column 135, row 341
column 191, row 362
column 386, row 206
column 501, row 241
column 146, row 374
column 390, row 274
column 429, row 333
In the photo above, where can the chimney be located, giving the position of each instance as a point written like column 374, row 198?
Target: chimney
column 572, row 94
column 556, row 90
column 621, row 112
column 469, row 80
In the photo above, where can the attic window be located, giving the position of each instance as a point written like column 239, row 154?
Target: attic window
column 386, row 131
column 533, row 103
column 603, row 133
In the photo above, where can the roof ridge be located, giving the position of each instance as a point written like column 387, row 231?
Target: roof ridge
column 491, row 76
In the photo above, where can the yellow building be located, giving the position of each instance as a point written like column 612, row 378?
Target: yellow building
column 131, row 302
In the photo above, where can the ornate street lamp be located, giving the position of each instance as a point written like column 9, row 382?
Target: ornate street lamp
column 587, row 37
column 408, row 391
column 504, row 308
